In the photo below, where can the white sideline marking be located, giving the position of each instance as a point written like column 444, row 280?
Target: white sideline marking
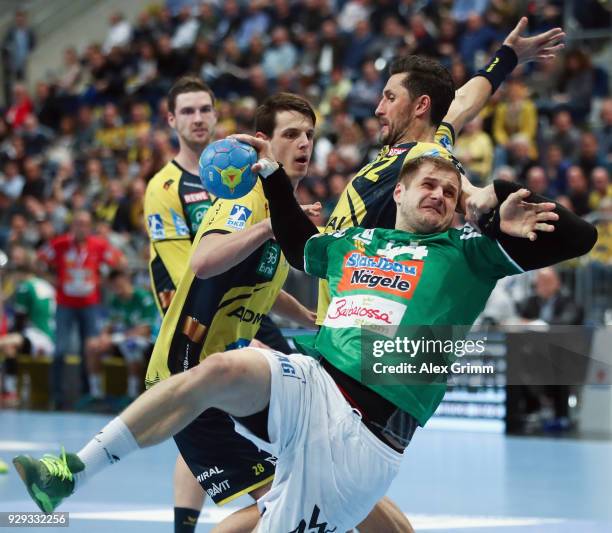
column 25, row 445
column 419, row 521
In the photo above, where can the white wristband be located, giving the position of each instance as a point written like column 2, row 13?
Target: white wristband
column 267, row 167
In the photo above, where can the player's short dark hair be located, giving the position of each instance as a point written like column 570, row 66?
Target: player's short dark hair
column 411, row 166
column 265, row 114
column 187, row 84
column 426, row 76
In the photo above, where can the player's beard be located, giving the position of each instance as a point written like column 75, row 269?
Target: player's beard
column 396, row 129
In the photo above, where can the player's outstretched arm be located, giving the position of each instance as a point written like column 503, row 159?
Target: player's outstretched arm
column 218, row 252
column 534, row 231
column 516, row 49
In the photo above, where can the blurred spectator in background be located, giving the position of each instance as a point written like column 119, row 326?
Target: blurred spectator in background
column 549, row 303
column 475, row 41
column 604, row 131
column 576, row 84
column 17, row 44
column 519, row 155
column 281, row 55
column 21, row 106
column 578, row 190
column 516, row 114
column 76, row 258
column 365, row 92
column 474, row 148
column 556, row 167
column 537, row 182
column 602, row 188
column 186, row 30
column 564, row 134
column 119, row 32
column 589, row 156
column 132, row 316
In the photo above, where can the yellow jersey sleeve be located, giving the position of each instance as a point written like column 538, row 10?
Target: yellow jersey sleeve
column 163, row 210
column 445, row 136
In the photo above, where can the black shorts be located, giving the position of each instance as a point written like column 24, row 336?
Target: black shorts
column 225, row 464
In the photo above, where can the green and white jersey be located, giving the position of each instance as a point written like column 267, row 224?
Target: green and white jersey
column 139, row 310
column 380, row 277
column 35, row 298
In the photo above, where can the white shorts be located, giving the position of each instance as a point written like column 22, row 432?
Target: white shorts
column 40, row 343
column 331, row 469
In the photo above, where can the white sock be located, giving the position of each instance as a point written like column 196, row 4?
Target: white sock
column 113, row 443
column 133, row 386
column 95, row 385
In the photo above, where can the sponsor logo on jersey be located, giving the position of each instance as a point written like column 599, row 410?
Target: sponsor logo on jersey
column 382, row 274
column 356, row 259
column 246, row 315
column 180, row 225
column 156, row 226
column 208, row 473
column 446, row 143
column 238, row 217
column 218, row 488
column 397, row 151
column 194, row 197
column 363, row 310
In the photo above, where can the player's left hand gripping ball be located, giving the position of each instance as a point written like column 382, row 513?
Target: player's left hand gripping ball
column 225, row 168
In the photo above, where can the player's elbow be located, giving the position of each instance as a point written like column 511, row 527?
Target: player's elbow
column 587, row 237
column 200, row 266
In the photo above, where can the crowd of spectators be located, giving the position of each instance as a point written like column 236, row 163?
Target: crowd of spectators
column 90, row 136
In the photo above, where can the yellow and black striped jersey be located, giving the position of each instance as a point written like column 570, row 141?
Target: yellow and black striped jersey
column 223, row 312
column 367, row 201
column 175, row 205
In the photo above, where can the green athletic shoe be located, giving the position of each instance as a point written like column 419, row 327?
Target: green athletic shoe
column 3, row 467
column 48, row 480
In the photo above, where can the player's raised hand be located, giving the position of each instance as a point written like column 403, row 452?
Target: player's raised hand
column 266, row 163
column 541, row 47
column 522, row 219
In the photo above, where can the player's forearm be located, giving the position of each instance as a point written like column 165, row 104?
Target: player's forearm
column 291, row 226
column 217, row 253
column 287, row 306
column 472, row 97
column 469, row 101
column 572, row 237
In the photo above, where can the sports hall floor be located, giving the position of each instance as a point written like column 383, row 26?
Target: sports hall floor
column 449, row 481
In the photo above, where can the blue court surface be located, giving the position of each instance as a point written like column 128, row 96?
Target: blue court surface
column 449, row 481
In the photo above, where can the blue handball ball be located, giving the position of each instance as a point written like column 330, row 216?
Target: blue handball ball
column 225, row 168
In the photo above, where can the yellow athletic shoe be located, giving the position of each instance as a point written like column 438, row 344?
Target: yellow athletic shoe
column 3, row 467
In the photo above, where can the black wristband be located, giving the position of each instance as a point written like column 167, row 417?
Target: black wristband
column 489, row 224
column 501, row 65
column 503, row 189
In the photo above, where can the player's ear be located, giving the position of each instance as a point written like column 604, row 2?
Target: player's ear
column 262, row 135
column 171, row 119
column 423, row 105
column 397, row 192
